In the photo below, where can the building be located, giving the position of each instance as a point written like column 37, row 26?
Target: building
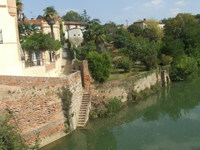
column 11, row 62
column 74, row 31
column 143, row 25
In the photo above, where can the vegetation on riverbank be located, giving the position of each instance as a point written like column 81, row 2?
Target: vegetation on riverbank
column 10, row 137
column 66, row 96
column 105, row 108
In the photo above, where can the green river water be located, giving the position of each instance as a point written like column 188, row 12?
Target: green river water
column 167, row 120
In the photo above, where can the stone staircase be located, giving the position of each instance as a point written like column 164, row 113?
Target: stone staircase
column 84, row 110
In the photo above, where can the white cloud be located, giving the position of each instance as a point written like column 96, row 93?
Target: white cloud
column 64, row 11
column 153, row 3
column 127, row 8
column 180, row 3
column 175, row 11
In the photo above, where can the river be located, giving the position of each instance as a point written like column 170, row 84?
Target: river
column 167, row 120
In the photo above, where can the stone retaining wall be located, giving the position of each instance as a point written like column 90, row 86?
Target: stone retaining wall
column 35, row 103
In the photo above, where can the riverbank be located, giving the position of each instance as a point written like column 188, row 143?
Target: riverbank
column 113, row 94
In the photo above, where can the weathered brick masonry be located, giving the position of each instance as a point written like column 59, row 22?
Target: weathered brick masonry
column 35, row 102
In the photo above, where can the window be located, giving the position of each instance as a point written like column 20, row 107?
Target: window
column 74, row 34
column 78, row 34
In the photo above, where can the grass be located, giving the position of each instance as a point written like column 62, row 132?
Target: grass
column 120, row 74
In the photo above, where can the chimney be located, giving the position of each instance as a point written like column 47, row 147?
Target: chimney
column 144, row 19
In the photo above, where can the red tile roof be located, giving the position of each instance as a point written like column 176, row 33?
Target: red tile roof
column 34, row 21
column 74, row 23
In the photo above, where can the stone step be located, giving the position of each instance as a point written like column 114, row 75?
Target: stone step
column 82, row 112
column 81, row 121
column 81, row 117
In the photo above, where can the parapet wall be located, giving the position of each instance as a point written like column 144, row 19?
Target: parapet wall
column 35, row 103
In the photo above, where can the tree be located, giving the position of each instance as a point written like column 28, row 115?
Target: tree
column 121, row 38
column 138, row 48
column 137, row 30
column 19, row 6
column 96, row 32
column 153, row 31
column 73, row 16
column 110, row 29
column 96, row 20
column 85, row 16
column 50, row 15
column 39, row 42
column 26, row 30
column 99, row 65
column 185, row 28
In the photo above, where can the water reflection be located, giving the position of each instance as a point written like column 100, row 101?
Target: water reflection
column 167, row 120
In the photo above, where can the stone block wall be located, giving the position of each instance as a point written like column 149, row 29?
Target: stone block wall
column 35, row 103
column 122, row 88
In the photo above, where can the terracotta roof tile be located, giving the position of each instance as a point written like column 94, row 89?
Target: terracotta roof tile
column 74, row 23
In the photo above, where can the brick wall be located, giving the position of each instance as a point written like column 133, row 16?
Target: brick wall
column 35, row 102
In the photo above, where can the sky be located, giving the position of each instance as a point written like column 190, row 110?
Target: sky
column 117, row 11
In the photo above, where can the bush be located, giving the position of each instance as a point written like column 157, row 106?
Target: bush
column 99, row 66
column 166, row 60
column 150, row 62
column 10, row 137
column 183, row 67
column 114, row 104
column 124, row 63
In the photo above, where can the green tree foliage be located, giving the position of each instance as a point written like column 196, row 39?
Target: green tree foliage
column 40, row 42
column 95, row 32
column 50, row 15
column 122, row 38
column 183, row 67
column 182, row 35
column 10, row 137
column 166, row 60
column 19, row 6
column 184, row 27
column 73, row 16
column 10, row 134
column 25, row 30
column 137, row 30
column 124, row 63
column 138, row 48
column 85, row 16
column 50, row 11
column 62, row 37
column 99, row 66
column 150, row 62
column 153, row 31
column 82, row 52
column 111, row 29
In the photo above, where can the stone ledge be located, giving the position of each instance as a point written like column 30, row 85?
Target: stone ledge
column 42, row 128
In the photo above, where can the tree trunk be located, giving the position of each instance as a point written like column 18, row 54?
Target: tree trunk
column 30, row 53
column 52, row 34
column 38, row 58
column 100, row 47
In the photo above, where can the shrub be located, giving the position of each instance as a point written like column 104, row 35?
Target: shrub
column 65, row 96
column 114, row 104
column 99, row 66
column 166, row 60
column 10, row 137
column 150, row 62
column 124, row 63
column 183, row 67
